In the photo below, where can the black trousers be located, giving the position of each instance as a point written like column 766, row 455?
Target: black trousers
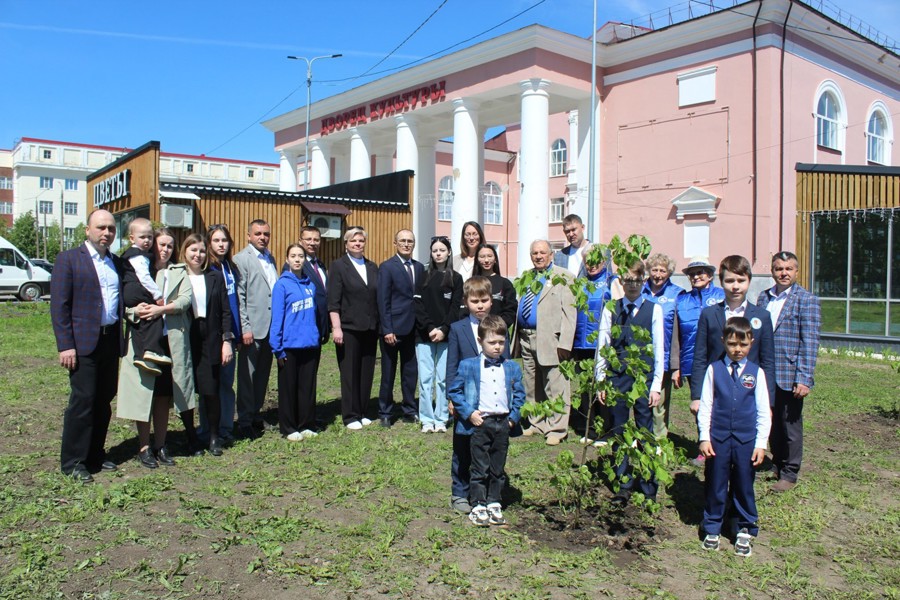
column 405, row 351
column 460, row 465
column 490, row 443
column 146, row 336
column 86, row 421
column 786, row 438
column 643, row 417
column 297, row 390
column 578, row 416
column 356, row 362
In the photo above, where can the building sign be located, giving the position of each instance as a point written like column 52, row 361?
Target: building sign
column 115, row 187
column 394, row 105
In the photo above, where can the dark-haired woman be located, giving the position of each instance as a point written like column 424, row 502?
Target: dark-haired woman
column 503, row 294
column 472, row 236
column 211, row 335
column 437, row 299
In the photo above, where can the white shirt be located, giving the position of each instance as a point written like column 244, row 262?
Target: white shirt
column 737, row 312
column 760, row 394
column 360, row 265
column 165, row 290
column 141, row 266
column 576, row 259
column 411, row 271
column 657, row 335
column 268, row 266
column 198, row 298
column 474, row 323
column 109, row 285
column 776, row 303
column 492, row 399
column 464, row 266
column 319, row 270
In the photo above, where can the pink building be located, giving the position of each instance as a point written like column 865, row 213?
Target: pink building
column 699, row 127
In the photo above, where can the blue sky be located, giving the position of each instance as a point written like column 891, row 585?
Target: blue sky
column 198, row 76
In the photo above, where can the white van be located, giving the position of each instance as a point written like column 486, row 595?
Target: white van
column 18, row 276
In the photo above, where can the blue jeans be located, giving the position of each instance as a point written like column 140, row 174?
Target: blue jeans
column 226, row 397
column 432, row 359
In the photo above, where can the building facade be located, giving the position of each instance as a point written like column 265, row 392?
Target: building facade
column 699, row 126
column 48, row 177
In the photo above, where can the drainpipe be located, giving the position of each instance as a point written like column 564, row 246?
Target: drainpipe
column 754, row 142
column 781, row 132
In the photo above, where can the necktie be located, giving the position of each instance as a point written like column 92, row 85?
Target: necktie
column 492, row 362
column 315, row 268
column 527, row 301
column 626, row 314
column 734, row 371
column 409, row 272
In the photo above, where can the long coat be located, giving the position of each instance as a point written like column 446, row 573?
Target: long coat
column 135, row 395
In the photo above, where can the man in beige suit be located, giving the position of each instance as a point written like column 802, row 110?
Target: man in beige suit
column 545, row 329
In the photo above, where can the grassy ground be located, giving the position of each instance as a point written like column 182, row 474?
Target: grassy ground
column 365, row 514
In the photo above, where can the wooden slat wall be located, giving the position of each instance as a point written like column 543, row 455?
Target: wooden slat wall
column 822, row 192
column 144, row 185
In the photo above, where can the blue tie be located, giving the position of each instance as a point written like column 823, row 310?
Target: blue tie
column 734, row 372
column 527, row 301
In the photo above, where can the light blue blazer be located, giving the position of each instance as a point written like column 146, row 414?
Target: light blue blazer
column 465, row 392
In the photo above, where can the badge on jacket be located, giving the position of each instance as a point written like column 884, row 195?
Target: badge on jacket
column 748, row 381
column 755, row 323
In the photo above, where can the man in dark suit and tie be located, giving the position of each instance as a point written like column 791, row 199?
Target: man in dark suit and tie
column 397, row 279
column 86, row 310
column 797, row 319
column 311, row 239
column 254, row 291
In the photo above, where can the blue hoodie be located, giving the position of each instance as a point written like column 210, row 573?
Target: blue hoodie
column 293, row 314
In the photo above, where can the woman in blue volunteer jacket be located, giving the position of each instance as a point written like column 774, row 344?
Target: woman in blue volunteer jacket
column 294, row 337
column 659, row 289
column 688, row 306
column 221, row 245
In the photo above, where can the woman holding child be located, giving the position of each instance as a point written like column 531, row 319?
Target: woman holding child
column 437, row 301
column 140, row 394
column 294, row 338
column 210, row 336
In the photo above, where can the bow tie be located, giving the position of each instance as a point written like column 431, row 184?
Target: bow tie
column 492, row 362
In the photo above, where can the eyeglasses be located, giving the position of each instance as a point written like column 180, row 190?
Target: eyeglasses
column 472, row 236
column 632, row 281
column 406, row 242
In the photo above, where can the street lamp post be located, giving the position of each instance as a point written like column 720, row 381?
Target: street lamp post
column 309, row 63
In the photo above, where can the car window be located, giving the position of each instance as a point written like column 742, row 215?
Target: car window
column 7, row 257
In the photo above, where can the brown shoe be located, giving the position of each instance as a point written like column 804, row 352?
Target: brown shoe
column 783, row 485
column 554, row 440
column 529, row 432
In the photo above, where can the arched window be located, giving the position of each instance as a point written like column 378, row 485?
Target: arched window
column 879, row 135
column 830, row 117
column 492, row 204
column 445, row 199
column 558, row 158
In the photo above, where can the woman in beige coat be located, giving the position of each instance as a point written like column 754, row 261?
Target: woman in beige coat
column 142, row 395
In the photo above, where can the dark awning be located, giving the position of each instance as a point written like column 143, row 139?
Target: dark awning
column 326, row 208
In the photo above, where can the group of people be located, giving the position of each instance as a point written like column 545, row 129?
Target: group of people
column 189, row 327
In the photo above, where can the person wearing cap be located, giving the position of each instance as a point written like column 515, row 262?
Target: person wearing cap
column 688, row 306
column 659, row 289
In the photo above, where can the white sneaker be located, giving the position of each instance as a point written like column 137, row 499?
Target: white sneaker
column 480, row 516
column 427, row 428
column 308, row 433
column 495, row 514
column 600, row 443
column 440, row 428
column 354, row 425
column 365, row 422
column 584, row 441
column 742, row 545
column 295, row 437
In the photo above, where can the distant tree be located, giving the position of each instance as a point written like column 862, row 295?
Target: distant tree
column 22, row 234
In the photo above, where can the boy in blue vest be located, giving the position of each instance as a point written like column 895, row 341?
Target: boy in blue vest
column 734, row 421
column 487, row 394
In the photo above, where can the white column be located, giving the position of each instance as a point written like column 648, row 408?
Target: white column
column 384, row 161
column 341, row 162
column 287, row 172
column 572, row 164
column 467, row 176
column 426, row 203
column 360, row 157
column 534, row 203
column 584, row 164
column 408, row 159
column 320, row 163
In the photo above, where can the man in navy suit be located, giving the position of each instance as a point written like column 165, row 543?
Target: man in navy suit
column 397, row 279
column 86, row 310
column 797, row 319
column 735, row 276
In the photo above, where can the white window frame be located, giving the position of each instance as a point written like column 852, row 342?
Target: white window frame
column 6, row 183
column 836, row 124
column 883, row 142
column 70, row 208
column 559, row 157
column 71, row 184
column 47, row 154
column 251, row 173
column 45, row 207
column 492, row 204
column 557, row 210
column 6, row 208
column 189, row 168
column 45, row 183
column 445, row 199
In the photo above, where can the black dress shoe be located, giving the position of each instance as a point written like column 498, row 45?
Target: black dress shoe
column 247, row 432
column 621, row 499
column 195, row 449
column 81, row 474
column 147, row 459
column 409, row 419
column 215, row 447
column 108, row 465
column 164, row 458
column 385, row 422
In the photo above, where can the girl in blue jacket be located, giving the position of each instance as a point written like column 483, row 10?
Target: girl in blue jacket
column 294, row 337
